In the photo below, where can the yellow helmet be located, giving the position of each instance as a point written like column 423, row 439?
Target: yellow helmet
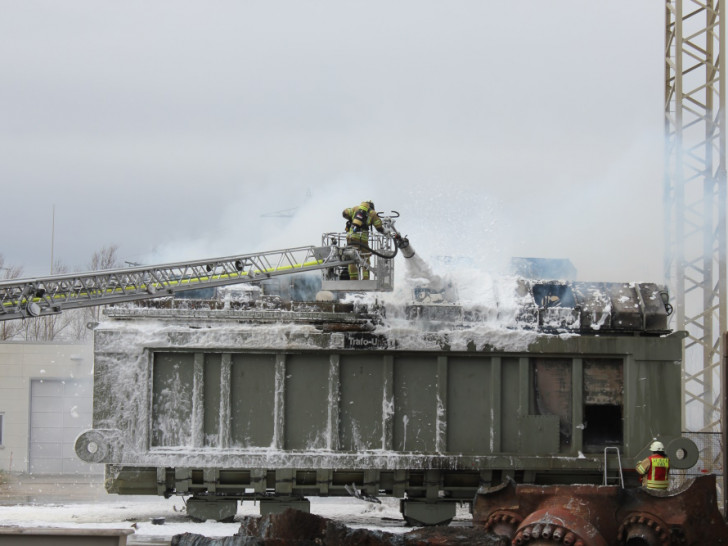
column 368, row 204
column 657, row 446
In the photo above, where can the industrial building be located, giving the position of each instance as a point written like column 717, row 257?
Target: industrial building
column 45, row 402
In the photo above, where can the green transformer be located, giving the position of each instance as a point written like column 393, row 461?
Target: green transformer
column 277, row 402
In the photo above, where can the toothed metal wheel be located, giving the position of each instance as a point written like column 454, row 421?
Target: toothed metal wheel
column 643, row 529
column 503, row 522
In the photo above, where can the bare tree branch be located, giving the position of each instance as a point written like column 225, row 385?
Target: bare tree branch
column 9, row 328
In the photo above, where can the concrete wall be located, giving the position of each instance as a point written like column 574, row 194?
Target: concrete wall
column 23, row 365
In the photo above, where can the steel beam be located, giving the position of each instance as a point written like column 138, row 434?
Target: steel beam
column 695, row 198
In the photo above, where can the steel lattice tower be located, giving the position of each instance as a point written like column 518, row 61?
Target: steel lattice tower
column 695, row 199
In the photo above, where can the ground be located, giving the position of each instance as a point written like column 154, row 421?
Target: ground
column 81, row 502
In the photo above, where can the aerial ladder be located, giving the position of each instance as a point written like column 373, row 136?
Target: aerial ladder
column 42, row 296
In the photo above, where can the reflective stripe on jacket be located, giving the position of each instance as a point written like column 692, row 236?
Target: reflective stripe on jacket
column 655, row 470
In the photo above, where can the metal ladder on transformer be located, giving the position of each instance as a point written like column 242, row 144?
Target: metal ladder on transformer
column 34, row 297
column 620, row 476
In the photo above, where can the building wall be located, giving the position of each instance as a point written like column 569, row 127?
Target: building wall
column 28, row 366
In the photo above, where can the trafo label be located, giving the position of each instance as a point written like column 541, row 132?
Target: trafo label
column 365, row 341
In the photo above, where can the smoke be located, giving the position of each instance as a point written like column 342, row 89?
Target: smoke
column 608, row 222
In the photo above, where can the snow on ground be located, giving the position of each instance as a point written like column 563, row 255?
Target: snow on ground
column 42, row 505
column 138, row 513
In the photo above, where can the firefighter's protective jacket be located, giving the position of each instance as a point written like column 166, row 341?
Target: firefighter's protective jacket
column 360, row 217
column 654, row 470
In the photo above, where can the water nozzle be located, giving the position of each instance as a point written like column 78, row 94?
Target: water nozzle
column 404, row 245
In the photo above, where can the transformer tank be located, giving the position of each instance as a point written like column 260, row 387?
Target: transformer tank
column 280, row 402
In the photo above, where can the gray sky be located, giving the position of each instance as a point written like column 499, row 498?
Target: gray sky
column 497, row 129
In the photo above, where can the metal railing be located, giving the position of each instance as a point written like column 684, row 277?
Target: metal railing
column 380, row 269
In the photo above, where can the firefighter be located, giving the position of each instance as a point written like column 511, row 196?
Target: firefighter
column 359, row 220
column 654, row 469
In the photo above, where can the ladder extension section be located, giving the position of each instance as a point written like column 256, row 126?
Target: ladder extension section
column 50, row 295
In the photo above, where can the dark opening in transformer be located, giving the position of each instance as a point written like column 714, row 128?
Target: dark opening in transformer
column 553, row 295
column 603, row 427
